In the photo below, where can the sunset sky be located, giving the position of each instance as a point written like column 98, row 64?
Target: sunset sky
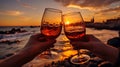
column 29, row 12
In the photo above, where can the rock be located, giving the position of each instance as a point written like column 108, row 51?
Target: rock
column 91, row 64
column 105, row 64
column 96, row 60
column 10, row 54
column 2, row 57
column 67, row 64
column 115, row 42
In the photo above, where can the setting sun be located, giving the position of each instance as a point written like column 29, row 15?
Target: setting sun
column 29, row 12
column 67, row 22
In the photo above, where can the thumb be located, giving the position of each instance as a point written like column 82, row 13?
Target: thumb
column 51, row 42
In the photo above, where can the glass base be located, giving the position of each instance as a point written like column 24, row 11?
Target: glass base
column 47, row 55
column 83, row 58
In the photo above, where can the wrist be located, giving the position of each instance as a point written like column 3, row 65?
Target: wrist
column 26, row 55
column 91, row 47
column 31, row 51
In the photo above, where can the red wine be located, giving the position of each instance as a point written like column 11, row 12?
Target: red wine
column 75, row 35
column 51, row 31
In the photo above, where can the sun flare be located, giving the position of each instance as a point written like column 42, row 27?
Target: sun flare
column 67, row 22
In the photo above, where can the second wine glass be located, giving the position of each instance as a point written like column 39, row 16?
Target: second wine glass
column 51, row 24
column 74, row 28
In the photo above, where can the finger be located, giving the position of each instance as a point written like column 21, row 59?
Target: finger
column 48, row 41
column 39, row 37
column 35, row 35
column 51, row 41
column 92, row 38
column 74, row 44
column 80, row 45
column 42, row 39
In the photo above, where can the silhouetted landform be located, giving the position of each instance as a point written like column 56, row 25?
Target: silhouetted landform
column 112, row 24
column 34, row 26
column 13, row 31
column 115, row 42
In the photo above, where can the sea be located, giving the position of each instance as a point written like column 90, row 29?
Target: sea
column 8, row 49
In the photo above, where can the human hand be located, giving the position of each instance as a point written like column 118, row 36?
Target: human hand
column 38, row 43
column 92, row 40
column 100, row 49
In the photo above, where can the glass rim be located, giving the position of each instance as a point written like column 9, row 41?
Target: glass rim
column 54, row 10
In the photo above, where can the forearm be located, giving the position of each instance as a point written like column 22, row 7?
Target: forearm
column 16, row 60
column 20, row 58
column 106, row 52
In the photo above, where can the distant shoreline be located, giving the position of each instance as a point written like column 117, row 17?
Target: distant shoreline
column 101, row 26
column 18, row 26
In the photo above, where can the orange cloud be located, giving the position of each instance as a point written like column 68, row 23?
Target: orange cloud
column 101, row 9
column 92, row 5
column 116, row 9
column 110, row 12
column 27, row 6
column 88, row 3
column 11, row 13
column 79, row 7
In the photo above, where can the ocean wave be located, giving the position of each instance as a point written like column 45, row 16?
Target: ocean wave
column 13, row 37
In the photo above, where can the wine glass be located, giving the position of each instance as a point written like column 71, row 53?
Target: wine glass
column 51, row 24
column 74, row 28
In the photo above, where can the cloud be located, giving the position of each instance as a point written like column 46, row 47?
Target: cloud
column 117, row 9
column 11, row 12
column 24, row 18
column 88, row 3
column 97, row 6
column 26, row 5
column 15, row 13
column 101, row 9
column 18, row 0
column 109, row 11
column 76, row 6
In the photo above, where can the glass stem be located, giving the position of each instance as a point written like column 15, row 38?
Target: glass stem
column 78, row 52
column 49, row 52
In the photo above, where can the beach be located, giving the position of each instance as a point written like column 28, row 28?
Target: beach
column 20, row 39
